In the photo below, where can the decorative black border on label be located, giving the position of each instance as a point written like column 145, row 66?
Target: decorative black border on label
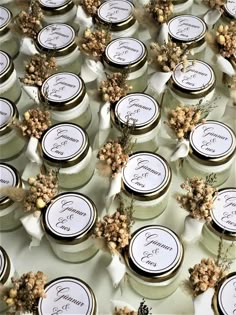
column 8, row 17
column 113, row 1
column 7, row 61
column 2, row 263
column 219, row 296
column 11, row 110
column 12, row 173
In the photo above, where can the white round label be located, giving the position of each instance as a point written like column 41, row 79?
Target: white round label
column 195, row 77
column 212, row 139
column 125, row 51
column 4, row 62
column 63, row 141
column 62, row 87
column 138, row 109
column 70, row 215
column 66, row 296
column 224, row 210
column 186, row 28
column 145, row 173
column 230, row 7
column 2, row 263
column 155, row 249
column 53, row 3
column 227, row 296
column 115, row 11
column 5, row 16
column 56, row 36
column 7, row 178
column 6, row 112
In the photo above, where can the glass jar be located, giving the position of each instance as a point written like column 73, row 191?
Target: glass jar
column 229, row 13
column 190, row 30
column 142, row 113
column 9, row 42
column 223, row 224
column 128, row 55
column 154, row 259
column 68, row 295
column 59, row 40
column 146, row 179
column 212, row 150
column 9, row 177
column 66, row 96
column 9, row 85
column 118, row 17
column 69, row 222
column 11, row 143
column 182, row 6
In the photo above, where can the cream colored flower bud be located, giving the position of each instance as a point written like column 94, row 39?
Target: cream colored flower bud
column 40, row 203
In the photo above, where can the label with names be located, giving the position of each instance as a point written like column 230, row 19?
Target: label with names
column 6, row 112
column 66, row 296
column 56, row 36
column 63, row 141
column 195, row 77
column 230, row 7
column 145, row 172
column 224, row 210
column 115, row 11
column 186, row 28
column 53, row 3
column 227, row 296
column 212, row 139
column 4, row 62
column 7, row 178
column 155, row 249
column 5, row 16
column 125, row 51
column 62, row 87
column 139, row 109
column 2, row 263
column 69, row 215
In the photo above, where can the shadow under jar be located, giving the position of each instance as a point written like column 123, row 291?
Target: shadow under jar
column 9, row 84
column 212, row 151
column 69, row 221
column 66, row 96
column 128, row 55
column 59, row 40
column 146, row 180
column 154, row 259
column 223, row 224
column 67, row 295
column 142, row 113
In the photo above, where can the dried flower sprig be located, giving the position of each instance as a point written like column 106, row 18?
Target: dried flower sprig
column 215, row 4
column 160, row 10
column 226, row 40
column 142, row 310
column 90, row 6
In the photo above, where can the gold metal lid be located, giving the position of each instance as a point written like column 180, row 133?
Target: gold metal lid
column 63, row 91
column 57, row 38
column 128, row 54
column 230, row 9
column 6, row 66
column 5, row 266
column 196, row 81
column 155, row 253
column 9, row 177
column 147, row 176
column 212, row 143
column 70, row 218
column 118, row 15
column 8, row 113
column 69, row 295
column 136, row 109
column 5, row 19
column 56, row 7
column 64, row 145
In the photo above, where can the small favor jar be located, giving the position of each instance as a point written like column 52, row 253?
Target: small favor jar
column 67, row 295
column 146, row 179
column 9, row 84
column 59, row 40
column 11, row 143
column 154, row 258
column 9, row 42
column 212, row 150
column 9, row 177
column 142, row 113
column 118, row 17
column 128, row 55
column 66, row 96
column 229, row 13
column 69, row 221
column 223, row 224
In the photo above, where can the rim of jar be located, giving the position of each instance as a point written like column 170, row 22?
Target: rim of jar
column 4, row 75
column 57, row 9
column 5, row 27
column 227, row 15
column 7, row 127
column 6, row 268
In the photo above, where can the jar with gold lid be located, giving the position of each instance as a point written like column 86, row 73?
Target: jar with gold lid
column 229, row 13
column 128, row 55
column 67, row 295
column 66, row 96
column 9, row 84
column 9, row 177
column 142, row 113
column 212, row 150
column 58, row 39
column 154, row 259
column 146, row 179
column 223, row 224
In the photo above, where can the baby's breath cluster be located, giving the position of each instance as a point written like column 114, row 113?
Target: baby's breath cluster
column 160, row 10
column 226, row 39
column 26, row 291
column 124, row 311
column 90, row 6
column 215, row 4
column 38, row 69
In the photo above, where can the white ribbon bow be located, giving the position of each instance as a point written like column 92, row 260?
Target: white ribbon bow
column 91, row 70
column 116, row 269
column 202, row 303
column 211, row 17
column 83, row 19
column 179, row 148
column 158, row 81
column 114, row 189
column 104, row 126
column 162, row 36
column 32, row 92
column 33, row 227
column 192, row 230
column 225, row 65
column 28, row 47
